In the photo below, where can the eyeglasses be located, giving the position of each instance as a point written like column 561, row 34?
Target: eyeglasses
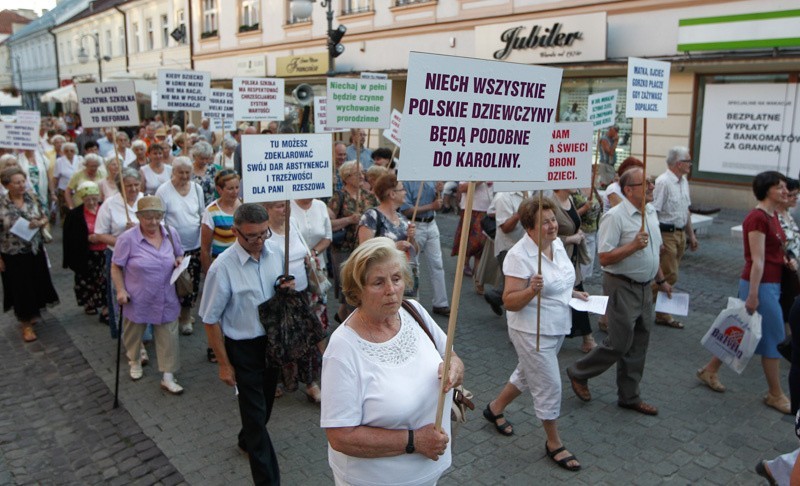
column 150, row 216
column 251, row 238
column 400, row 189
column 686, row 161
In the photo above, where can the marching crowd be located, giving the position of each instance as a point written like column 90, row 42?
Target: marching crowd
column 132, row 211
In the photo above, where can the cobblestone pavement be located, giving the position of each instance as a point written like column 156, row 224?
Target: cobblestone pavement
column 56, row 423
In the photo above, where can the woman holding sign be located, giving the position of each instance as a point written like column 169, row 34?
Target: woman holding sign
column 537, row 371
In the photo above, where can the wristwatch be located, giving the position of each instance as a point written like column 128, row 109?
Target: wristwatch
column 659, row 282
column 410, row 447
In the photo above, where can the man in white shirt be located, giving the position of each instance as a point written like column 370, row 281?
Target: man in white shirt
column 509, row 231
column 671, row 201
column 106, row 144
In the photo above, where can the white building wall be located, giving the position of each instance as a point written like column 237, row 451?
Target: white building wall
column 170, row 55
column 108, row 21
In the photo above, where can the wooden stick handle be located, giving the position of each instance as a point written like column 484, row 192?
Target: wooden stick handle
column 416, row 204
column 121, row 164
column 539, row 267
column 644, row 170
column 288, row 212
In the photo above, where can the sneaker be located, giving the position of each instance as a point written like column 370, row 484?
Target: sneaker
column 187, row 328
column 136, row 370
column 710, row 379
column 144, row 359
column 171, row 386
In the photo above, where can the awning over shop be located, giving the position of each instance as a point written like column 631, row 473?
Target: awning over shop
column 63, row 95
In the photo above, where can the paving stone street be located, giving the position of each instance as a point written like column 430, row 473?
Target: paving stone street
column 57, row 425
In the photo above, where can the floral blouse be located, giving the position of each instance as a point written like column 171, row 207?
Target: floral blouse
column 207, row 183
column 10, row 243
column 343, row 204
column 792, row 233
column 374, row 220
column 591, row 219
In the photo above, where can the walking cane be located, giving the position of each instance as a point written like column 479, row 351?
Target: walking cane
column 119, row 346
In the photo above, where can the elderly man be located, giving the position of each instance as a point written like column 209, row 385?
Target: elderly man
column 240, row 279
column 356, row 149
column 206, row 132
column 629, row 258
column 340, row 157
column 106, row 143
column 671, row 201
column 507, row 234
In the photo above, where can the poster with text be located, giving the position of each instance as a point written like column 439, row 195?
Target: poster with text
column 183, row 90
column 280, row 167
column 477, row 120
column 359, row 103
column 108, row 104
column 258, row 99
column 321, row 116
column 603, row 109
column 22, row 134
column 220, row 109
column 750, row 128
column 569, row 164
column 392, row 133
column 648, row 87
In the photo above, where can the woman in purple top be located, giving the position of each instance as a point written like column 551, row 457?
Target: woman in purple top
column 144, row 257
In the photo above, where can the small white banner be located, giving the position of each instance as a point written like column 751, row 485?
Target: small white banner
column 183, row 90
column 22, row 134
column 368, row 75
column 648, row 88
column 603, row 109
column 321, row 117
column 108, row 104
column 359, row 103
column 220, row 109
column 392, row 133
column 258, row 99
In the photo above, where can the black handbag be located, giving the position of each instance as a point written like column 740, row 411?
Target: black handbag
column 489, row 225
column 292, row 328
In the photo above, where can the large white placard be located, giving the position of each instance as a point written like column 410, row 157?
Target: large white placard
column 183, row 90
column 20, row 135
column 28, row 117
column 359, row 103
column 220, row 109
column 280, row 167
column 569, row 165
column 748, row 128
column 108, row 104
column 258, row 99
column 475, row 120
column 392, row 133
column 321, row 116
column 648, row 87
column 603, row 109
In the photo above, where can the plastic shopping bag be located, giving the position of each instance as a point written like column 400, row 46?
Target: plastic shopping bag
column 734, row 335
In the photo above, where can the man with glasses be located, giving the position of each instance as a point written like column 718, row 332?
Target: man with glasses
column 241, row 278
column 629, row 257
column 671, row 201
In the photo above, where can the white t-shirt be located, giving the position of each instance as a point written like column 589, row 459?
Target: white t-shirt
column 559, row 279
column 506, row 205
column 183, row 212
column 392, row 385
column 153, row 181
column 297, row 255
column 314, row 224
column 64, row 169
column 612, row 188
column 481, row 199
column 111, row 218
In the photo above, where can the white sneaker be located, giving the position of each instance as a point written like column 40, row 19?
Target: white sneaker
column 143, row 357
column 171, row 386
column 187, row 328
column 136, row 370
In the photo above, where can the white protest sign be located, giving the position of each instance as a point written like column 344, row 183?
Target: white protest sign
column 359, row 103
column 28, row 117
column 321, row 117
column 108, row 104
column 257, row 99
column 603, row 109
column 18, row 135
column 220, row 109
column 280, row 167
column 569, row 165
column 648, row 87
column 368, row 75
column 154, row 100
column 477, row 120
column 749, row 128
column 393, row 132
column 183, row 90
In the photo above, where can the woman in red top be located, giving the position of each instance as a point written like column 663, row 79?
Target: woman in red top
column 760, row 284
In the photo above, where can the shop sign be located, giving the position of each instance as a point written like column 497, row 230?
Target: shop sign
column 758, row 30
column 575, row 38
column 253, row 66
column 305, row 65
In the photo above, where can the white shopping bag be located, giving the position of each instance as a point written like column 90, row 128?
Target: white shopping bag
column 734, row 335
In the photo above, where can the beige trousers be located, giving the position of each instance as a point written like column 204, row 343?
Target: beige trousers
column 166, row 339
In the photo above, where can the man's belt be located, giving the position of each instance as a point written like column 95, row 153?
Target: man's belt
column 668, row 228
column 425, row 220
column 626, row 279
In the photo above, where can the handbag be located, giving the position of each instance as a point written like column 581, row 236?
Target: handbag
column 734, row 335
column 489, row 225
column 462, row 398
column 318, row 282
column 184, row 286
column 292, row 328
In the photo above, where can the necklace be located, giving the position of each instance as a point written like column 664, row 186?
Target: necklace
column 369, row 328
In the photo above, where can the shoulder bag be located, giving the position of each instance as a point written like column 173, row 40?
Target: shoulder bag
column 183, row 286
column 318, row 282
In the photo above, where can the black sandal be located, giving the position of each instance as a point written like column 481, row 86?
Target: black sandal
column 212, row 358
column 503, row 429
column 564, row 461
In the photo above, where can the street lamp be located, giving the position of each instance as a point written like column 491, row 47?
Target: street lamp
column 83, row 56
column 19, row 73
column 301, row 9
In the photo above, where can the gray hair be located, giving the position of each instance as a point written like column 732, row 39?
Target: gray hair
column 138, row 143
column 625, row 178
column 181, row 161
column 129, row 173
column 69, row 145
column 230, row 144
column 676, row 154
column 251, row 213
column 56, row 138
column 175, row 128
column 8, row 159
column 347, row 169
column 92, row 158
column 201, row 149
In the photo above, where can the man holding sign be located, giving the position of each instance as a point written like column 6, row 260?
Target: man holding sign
column 629, row 256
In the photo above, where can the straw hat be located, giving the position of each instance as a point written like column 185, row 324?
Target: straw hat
column 161, row 132
column 149, row 203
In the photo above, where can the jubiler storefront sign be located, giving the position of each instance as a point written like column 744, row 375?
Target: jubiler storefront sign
column 576, row 38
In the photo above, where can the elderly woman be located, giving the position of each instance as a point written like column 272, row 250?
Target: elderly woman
column 124, row 150
column 34, row 164
column 760, row 284
column 84, row 253
column 307, row 368
column 27, row 287
column 141, row 267
column 537, row 371
column 65, row 167
column 180, row 145
column 613, row 194
column 156, row 172
column 314, row 224
column 224, row 158
column 345, row 209
column 89, row 173
column 183, row 210
column 109, row 186
column 139, row 149
column 386, row 364
column 203, row 171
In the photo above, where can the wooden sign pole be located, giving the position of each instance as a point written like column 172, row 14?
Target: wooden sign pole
column 121, row 163
column 644, row 171
column 416, row 205
column 539, row 298
column 288, row 212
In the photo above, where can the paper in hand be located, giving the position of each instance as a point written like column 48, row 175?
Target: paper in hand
column 23, row 229
column 596, row 304
column 179, row 269
column 677, row 305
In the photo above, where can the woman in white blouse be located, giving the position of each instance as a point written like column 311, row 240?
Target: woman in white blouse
column 65, row 167
column 156, row 172
column 537, row 369
column 314, row 222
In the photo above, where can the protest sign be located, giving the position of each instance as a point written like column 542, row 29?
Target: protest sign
column 321, row 117
column 359, row 103
column 256, row 99
column 28, row 117
column 492, row 124
column 23, row 133
column 603, row 109
column 569, row 165
column 368, row 75
column 154, row 100
column 648, row 87
column 393, row 132
column 107, row 104
column 220, row 109
column 183, row 90
column 281, row 167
